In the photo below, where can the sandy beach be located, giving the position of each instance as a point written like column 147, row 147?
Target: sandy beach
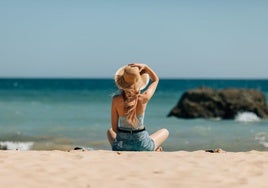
column 101, row 168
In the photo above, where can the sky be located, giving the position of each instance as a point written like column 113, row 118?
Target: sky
column 92, row 39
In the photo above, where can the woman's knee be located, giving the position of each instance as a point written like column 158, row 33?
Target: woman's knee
column 109, row 131
column 165, row 132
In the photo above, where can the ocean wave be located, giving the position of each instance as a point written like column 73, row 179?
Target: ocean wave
column 261, row 137
column 8, row 145
column 247, row 117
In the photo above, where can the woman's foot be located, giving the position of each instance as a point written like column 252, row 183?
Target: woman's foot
column 159, row 149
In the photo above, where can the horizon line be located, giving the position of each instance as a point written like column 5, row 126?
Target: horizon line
column 111, row 78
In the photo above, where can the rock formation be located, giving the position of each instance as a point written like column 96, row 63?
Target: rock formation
column 223, row 103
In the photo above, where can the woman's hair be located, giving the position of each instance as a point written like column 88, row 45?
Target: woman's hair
column 131, row 96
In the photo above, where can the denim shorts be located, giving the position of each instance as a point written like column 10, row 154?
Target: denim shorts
column 136, row 141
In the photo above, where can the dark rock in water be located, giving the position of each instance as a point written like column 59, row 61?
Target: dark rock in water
column 223, row 103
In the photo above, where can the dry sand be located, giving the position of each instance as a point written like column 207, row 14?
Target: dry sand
column 75, row 169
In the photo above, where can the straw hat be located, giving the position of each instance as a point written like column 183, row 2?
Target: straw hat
column 129, row 77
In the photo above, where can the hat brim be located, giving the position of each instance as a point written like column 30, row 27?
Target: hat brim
column 144, row 79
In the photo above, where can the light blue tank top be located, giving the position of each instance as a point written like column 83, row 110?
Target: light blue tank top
column 122, row 123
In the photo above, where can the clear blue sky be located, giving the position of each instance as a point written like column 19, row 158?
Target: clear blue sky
column 179, row 39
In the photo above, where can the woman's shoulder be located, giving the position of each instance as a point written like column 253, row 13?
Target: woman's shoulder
column 117, row 97
column 143, row 98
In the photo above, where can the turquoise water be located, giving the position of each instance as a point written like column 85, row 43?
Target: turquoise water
column 46, row 114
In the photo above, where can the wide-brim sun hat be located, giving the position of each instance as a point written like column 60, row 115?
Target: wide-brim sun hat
column 127, row 77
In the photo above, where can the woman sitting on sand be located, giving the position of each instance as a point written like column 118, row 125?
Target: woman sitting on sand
column 127, row 112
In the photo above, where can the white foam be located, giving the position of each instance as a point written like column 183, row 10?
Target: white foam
column 265, row 144
column 246, row 117
column 16, row 145
column 262, row 138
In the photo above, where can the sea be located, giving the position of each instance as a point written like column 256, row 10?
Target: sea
column 61, row 114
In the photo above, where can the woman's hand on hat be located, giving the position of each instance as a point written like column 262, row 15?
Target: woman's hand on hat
column 141, row 66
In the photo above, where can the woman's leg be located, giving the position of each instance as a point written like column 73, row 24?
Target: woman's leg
column 159, row 137
column 111, row 135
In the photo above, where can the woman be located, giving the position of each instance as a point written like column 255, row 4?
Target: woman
column 128, row 108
